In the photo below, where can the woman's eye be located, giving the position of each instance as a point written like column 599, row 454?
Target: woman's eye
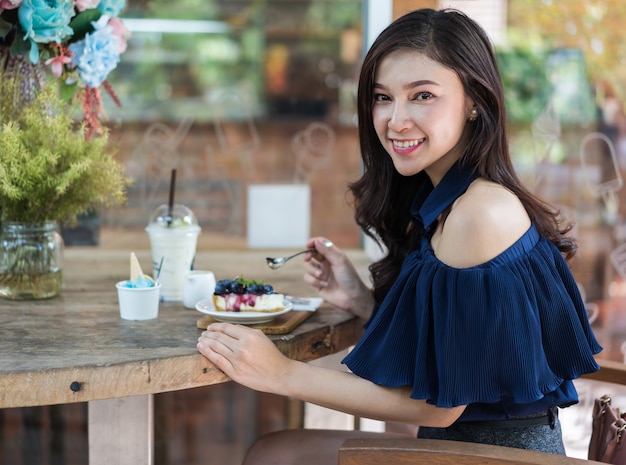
column 380, row 97
column 423, row 96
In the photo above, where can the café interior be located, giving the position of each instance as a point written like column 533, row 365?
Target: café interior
column 253, row 103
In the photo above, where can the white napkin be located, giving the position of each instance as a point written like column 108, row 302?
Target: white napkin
column 307, row 304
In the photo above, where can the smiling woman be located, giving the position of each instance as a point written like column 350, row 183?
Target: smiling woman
column 470, row 251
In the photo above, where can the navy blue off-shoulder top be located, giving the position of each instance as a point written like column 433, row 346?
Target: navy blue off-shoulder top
column 506, row 338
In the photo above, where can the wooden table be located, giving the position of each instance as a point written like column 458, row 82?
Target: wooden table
column 75, row 347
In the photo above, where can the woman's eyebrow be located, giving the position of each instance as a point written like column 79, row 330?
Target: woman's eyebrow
column 422, row 82
column 410, row 85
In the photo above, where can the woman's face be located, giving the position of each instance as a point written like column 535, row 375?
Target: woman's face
column 420, row 112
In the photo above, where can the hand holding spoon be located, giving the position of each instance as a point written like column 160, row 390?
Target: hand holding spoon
column 275, row 263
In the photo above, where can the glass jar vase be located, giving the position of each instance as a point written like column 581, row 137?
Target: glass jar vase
column 31, row 260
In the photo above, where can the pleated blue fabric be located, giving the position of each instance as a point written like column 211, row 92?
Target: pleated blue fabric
column 505, row 337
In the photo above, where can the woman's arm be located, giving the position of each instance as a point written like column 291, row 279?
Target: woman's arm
column 351, row 394
column 248, row 357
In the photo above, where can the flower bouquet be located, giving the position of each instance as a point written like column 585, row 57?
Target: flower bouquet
column 53, row 54
column 79, row 42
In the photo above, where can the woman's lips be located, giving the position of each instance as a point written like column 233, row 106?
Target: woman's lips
column 406, row 146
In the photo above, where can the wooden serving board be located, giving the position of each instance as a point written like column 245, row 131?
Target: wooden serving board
column 282, row 324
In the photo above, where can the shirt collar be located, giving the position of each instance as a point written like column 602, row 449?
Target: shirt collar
column 429, row 202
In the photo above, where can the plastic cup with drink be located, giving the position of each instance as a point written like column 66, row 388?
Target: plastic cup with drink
column 173, row 232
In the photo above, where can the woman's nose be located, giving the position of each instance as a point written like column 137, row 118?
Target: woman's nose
column 399, row 119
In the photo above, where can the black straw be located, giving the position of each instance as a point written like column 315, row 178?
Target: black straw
column 171, row 200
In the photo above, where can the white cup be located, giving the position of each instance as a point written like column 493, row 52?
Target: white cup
column 138, row 303
column 198, row 285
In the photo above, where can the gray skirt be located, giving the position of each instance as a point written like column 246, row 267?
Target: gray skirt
column 543, row 437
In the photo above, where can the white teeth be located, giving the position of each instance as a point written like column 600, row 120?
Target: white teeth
column 404, row 144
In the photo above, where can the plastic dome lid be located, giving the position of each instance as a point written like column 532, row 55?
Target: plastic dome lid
column 180, row 216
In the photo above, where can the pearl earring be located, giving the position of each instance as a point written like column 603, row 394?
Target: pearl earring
column 473, row 114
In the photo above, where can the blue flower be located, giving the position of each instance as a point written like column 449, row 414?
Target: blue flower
column 97, row 54
column 45, row 21
column 111, row 7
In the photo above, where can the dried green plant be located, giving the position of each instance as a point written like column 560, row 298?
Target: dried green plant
column 49, row 170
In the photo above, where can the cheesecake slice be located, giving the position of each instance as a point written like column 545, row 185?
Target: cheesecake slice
column 244, row 295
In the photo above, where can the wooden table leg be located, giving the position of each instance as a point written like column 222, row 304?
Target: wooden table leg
column 121, row 431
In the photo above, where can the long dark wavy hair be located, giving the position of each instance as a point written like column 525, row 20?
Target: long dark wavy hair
column 382, row 197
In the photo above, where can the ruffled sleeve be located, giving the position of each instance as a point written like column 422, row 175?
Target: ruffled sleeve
column 513, row 328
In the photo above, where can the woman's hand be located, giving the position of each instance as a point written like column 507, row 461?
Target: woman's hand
column 246, row 355
column 332, row 274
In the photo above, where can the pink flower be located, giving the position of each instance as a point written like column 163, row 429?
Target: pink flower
column 121, row 32
column 82, row 5
column 9, row 4
column 57, row 62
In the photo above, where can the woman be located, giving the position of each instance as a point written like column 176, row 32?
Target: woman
column 475, row 327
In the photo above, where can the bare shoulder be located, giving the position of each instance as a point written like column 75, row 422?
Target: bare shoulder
column 485, row 221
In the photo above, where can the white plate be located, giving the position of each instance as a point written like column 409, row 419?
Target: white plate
column 247, row 318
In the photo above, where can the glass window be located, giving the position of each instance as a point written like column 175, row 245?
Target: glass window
column 563, row 71
column 238, row 92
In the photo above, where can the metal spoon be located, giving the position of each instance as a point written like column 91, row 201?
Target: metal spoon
column 275, row 263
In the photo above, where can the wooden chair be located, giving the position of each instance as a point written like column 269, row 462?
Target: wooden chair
column 399, row 451
column 404, row 451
